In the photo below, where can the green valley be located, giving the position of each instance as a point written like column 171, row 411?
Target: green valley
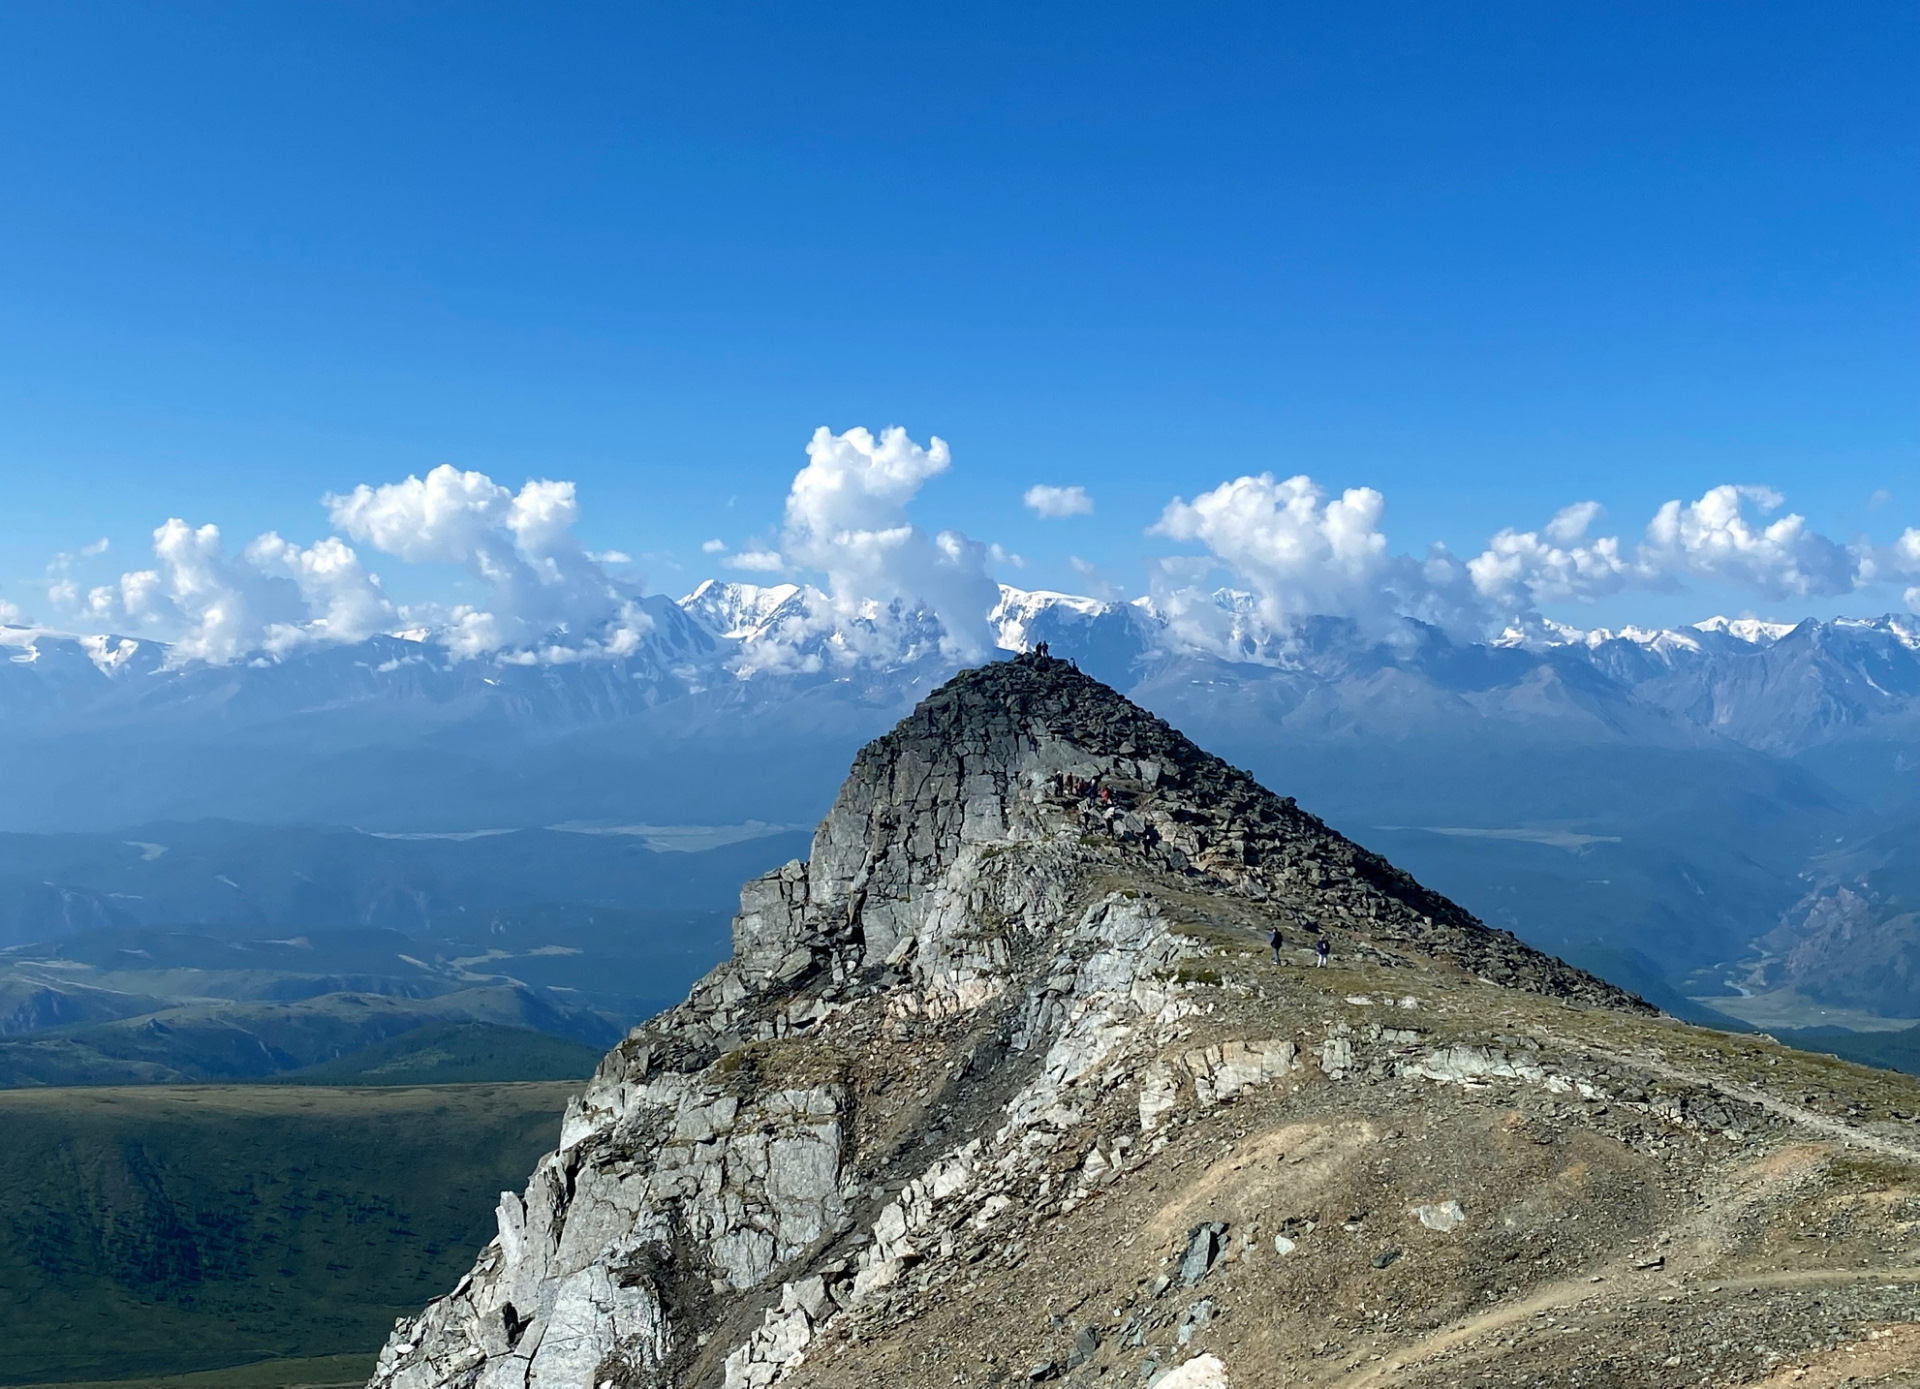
column 154, row 1231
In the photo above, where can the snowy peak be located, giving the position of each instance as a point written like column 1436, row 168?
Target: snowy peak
column 1747, row 629
column 1018, row 610
column 745, row 612
column 1761, row 684
column 45, row 649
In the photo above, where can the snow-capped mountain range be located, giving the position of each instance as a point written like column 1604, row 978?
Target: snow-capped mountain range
column 1760, row 684
column 1662, row 797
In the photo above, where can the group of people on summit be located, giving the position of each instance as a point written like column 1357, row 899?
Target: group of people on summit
column 1086, row 789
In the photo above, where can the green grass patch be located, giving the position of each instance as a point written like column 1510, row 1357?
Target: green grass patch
column 1873, row 1172
column 308, row 1372
column 155, row 1231
column 455, row 1054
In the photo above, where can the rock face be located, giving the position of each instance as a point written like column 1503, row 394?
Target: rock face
column 1020, row 987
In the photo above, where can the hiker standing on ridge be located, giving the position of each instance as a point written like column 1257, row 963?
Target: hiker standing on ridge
column 1321, row 949
column 1273, row 943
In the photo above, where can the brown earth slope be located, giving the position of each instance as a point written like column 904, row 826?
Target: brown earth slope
column 1004, row 1085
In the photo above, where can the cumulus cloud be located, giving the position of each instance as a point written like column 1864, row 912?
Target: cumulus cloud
column 846, row 516
column 886, row 588
column 273, row 597
column 548, row 599
column 892, row 588
column 343, row 601
column 1721, row 538
column 1902, row 559
column 1898, row 561
column 1521, row 569
column 1714, row 538
column 448, row 516
column 547, row 594
column 1294, row 550
column 1299, row 552
column 1054, row 503
column 1304, row 551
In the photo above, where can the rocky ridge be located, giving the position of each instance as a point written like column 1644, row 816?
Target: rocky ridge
column 1003, row 1084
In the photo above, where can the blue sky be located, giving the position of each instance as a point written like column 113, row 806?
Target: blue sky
column 1487, row 259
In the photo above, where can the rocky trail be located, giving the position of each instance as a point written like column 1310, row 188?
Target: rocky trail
column 1004, row 1085
column 1849, row 1134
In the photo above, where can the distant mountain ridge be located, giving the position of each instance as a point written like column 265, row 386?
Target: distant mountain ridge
column 1650, row 803
column 1770, row 685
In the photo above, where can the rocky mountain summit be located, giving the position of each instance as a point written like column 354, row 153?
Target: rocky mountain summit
column 1005, row 1084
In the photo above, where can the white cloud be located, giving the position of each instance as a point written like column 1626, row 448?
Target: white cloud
column 1714, row 539
column 1521, row 569
column 1299, row 551
column 1056, row 502
column 1570, row 523
column 343, row 601
column 547, row 593
column 548, row 599
column 274, row 597
column 846, row 516
column 1304, row 547
column 63, row 590
column 896, row 591
column 450, row 516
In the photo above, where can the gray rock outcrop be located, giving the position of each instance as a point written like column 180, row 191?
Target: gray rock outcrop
column 916, row 1022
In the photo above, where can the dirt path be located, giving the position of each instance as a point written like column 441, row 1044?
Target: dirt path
column 1571, row 1294
column 1620, row 1278
column 1688, row 1263
column 1820, row 1123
